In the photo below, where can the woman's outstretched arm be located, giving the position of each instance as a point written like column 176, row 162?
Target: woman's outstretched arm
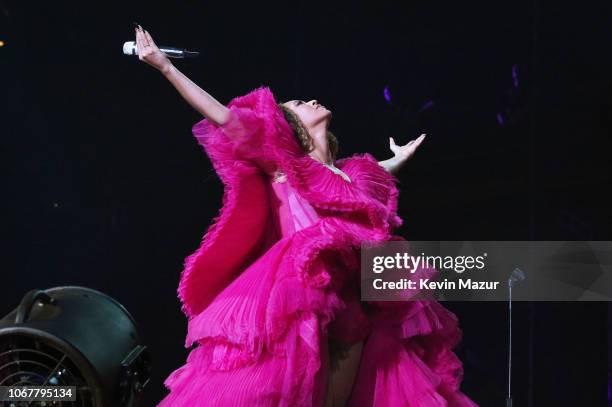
column 392, row 165
column 197, row 97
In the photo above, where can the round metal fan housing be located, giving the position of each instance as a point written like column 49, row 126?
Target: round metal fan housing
column 74, row 336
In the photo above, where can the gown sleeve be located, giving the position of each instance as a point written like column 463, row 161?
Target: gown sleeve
column 255, row 138
column 256, row 131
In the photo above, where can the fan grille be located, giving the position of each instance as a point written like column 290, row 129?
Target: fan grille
column 31, row 361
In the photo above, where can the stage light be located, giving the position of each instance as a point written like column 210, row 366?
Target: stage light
column 74, row 336
column 387, row 94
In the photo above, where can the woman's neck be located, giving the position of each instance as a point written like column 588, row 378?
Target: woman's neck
column 321, row 146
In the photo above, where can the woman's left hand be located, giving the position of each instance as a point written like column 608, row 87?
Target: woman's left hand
column 149, row 52
column 406, row 151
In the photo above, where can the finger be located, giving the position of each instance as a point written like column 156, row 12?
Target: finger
column 419, row 140
column 149, row 39
column 144, row 37
column 392, row 142
column 139, row 41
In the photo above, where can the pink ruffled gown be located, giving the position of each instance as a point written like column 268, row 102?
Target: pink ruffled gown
column 277, row 274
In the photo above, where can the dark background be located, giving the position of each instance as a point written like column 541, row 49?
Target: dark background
column 106, row 187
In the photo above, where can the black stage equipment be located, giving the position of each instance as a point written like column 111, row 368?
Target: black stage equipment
column 74, row 336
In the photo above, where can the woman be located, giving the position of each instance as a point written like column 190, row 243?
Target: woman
column 272, row 293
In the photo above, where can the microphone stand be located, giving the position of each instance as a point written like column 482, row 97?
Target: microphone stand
column 509, row 398
column 516, row 275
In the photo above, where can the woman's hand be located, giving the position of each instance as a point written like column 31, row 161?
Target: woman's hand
column 149, row 52
column 407, row 150
column 197, row 97
column 400, row 154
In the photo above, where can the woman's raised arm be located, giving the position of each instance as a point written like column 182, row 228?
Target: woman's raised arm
column 197, row 97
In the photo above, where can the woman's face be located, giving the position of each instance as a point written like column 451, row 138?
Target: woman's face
column 310, row 113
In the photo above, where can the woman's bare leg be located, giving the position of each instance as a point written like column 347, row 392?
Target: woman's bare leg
column 344, row 366
column 329, row 398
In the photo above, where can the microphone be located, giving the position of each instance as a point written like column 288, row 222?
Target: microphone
column 516, row 276
column 129, row 48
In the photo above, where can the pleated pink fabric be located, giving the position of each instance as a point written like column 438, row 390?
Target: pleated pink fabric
column 276, row 276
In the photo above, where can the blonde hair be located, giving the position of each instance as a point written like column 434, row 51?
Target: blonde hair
column 303, row 137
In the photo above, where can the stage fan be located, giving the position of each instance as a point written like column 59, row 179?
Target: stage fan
column 74, row 336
